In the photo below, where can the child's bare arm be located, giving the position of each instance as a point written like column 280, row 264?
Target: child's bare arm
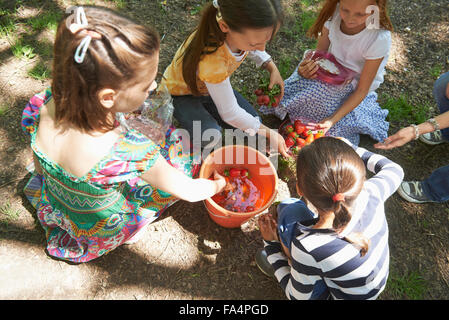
column 323, row 40
column 169, row 179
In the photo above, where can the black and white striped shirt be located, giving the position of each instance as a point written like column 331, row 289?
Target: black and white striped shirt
column 321, row 254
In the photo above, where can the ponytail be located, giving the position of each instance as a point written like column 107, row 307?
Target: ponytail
column 342, row 216
column 330, row 174
column 208, row 37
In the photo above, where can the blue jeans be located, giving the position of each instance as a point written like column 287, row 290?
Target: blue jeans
column 436, row 186
column 190, row 108
column 290, row 212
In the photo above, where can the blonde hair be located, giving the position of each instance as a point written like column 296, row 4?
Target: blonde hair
column 329, row 8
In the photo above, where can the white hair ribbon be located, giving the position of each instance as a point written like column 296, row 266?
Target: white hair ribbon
column 215, row 4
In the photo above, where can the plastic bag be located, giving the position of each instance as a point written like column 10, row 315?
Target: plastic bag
column 330, row 70
column 153, row 118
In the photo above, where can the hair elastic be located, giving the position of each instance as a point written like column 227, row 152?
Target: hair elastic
column 338, row 197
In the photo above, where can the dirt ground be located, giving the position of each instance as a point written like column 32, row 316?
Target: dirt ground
column 184, row 254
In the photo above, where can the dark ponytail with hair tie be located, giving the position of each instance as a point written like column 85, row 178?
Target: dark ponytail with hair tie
column 330, row 174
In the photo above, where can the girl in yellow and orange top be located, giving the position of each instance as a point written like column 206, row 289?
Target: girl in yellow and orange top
column 198, row 77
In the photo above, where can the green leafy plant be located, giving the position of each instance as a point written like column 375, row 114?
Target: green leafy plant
column 23, row 51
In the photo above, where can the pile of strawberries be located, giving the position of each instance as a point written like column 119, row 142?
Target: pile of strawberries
column 298, row 135
column 270, row 98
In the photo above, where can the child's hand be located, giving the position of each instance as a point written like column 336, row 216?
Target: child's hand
column 276, row 78
column 325, row 125
column 400, row 138
column 276, row 138
column 268, row 227
column 308, row 68
column 220, row 181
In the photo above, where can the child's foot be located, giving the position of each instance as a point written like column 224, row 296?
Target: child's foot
column 412, row 191
column 432, row 138
column 263, row 264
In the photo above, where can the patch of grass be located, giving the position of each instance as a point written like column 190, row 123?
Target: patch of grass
column 196, row 9
column 308, row 17
column 7, row 27
column 400, row 109
column 119, row 4
column 410, row 286
column 48, row 20
column 3, row 110
column 40, row 72
column 436, row 70
column 285, row 67
column 23, row 51
column 9, row 212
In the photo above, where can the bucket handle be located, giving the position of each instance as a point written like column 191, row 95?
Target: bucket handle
column 226, row 216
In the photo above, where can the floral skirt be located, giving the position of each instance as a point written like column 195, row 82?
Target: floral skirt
column 317, row 100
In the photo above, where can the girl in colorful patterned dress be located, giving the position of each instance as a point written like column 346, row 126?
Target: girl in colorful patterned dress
column 98, row 184
column 198, row 77
column 345, row 29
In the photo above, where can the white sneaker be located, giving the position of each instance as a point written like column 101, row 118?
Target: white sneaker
column 432, row 138
column 412, row 191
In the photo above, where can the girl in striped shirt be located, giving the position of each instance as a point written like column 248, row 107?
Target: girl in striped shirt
column 341, row 251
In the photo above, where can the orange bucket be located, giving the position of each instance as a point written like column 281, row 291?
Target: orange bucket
column 262, row 172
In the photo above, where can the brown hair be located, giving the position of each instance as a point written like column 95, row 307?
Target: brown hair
column 108, row 63
column 327, row 167
column 238, row 15
column 329, row 8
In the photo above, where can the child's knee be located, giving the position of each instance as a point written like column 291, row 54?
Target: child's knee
column 440, row 87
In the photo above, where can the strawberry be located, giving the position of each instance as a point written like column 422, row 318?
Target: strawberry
column 293, row 135
column 260, row 100
column 319, row 134
column 266, row 99
column 289, row 142
column 299, row 127
column 258, row 92
column 276, row 101
column 234, row 172
column 244, row 173
column 310, row 138
column 289, row 129
column 300, row 142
